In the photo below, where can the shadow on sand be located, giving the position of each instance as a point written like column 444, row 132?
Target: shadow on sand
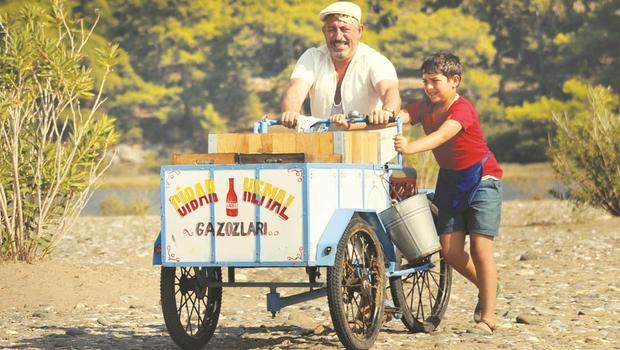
column 156, row 337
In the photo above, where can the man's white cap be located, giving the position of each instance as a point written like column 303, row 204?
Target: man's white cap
column 345, row 8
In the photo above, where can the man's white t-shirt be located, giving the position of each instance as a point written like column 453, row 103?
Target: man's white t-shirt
column 357, row 90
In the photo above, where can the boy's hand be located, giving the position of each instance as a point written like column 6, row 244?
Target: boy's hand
column 400, row 143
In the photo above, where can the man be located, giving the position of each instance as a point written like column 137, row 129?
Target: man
column 343, row 75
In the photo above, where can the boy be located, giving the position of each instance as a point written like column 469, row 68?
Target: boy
column 469, row 191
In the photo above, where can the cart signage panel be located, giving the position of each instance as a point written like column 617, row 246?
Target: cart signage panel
column 259, row 215
column 232, row 215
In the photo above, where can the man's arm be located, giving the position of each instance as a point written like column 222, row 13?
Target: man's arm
column 292, row 101
column 387, row 90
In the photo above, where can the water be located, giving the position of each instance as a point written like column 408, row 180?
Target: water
column 127, row 196
column 512, row 191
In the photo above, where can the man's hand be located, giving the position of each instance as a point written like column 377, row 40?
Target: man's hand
column 400, row 143
column 380, row 116
column 289, row 119
column 340, row 121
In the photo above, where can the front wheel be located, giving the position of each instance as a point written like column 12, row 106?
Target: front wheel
column 356, row 286
column 190, row 309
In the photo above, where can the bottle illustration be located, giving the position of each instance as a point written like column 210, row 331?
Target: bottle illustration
column 231, row 199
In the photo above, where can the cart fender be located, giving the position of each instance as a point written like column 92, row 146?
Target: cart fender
column 328, row 243
column 157, row 250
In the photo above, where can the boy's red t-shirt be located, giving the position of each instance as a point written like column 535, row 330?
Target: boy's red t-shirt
column 467, row 147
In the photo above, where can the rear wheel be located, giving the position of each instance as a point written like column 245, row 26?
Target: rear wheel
column 191, row 311
column 423, row 296
column 356, row 286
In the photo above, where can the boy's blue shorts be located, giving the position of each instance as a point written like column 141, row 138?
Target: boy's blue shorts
column 482, row 216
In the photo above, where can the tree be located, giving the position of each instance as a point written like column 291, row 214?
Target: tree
column 53, row 137
column 407, row 45
column 542, row 43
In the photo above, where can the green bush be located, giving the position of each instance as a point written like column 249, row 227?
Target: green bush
column 586, row 151
column 54, row 141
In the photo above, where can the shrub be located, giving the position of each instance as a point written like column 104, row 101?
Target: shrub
column 139, row 205
column 53, row 140
column 112, row 205
column 586, row 151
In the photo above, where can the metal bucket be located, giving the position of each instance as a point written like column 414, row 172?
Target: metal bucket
column 410, row 225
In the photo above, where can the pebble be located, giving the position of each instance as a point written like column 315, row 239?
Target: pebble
column 529, row 255
column 75, row 332
column 102, row 321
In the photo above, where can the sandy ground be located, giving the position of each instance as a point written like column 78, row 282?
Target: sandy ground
column 558, row 268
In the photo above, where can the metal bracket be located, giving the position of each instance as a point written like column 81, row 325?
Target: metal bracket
column 275, row 302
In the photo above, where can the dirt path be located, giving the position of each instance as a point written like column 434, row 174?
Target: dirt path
column 558, row 267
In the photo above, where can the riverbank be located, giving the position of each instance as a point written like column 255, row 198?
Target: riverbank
column 132, row 187
column 558, row 268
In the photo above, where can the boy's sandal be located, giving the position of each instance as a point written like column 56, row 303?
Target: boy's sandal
column 478, row 308
column 482, row 328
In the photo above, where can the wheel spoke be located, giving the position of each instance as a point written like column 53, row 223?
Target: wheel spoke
column 188, row 324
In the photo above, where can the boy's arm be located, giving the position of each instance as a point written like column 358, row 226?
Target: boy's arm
column 446, row 131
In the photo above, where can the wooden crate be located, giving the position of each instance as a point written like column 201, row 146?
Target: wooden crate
column 204, row 158
column 326, row 147
column 257, row 158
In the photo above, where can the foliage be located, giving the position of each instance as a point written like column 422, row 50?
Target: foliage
column 525, row 137
column 542, row 109
column 541, row 43
column 53, row 137
column 407, row 46
column 188, row 68
column 586, row 151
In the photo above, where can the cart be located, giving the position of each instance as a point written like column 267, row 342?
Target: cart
column 279, row 213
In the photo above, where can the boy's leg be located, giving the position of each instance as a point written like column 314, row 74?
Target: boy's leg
column 482, row 255
column 483, row 218
column 453, row 251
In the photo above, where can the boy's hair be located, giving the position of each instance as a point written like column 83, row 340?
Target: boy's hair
column 444, row 63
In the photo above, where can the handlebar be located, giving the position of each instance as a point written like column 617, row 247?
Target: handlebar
column 261, row 127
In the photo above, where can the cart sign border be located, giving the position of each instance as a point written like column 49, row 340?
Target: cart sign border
column 160, row 255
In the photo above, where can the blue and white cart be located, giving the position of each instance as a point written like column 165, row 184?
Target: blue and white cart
column 316, row 216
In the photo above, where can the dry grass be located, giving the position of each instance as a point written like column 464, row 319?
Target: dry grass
column 142, row 181
column 514, row 172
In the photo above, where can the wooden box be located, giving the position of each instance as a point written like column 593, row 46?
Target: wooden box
column 203, row 158
column 326, row 147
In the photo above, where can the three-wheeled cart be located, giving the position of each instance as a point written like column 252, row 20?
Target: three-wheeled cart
column 279, row 211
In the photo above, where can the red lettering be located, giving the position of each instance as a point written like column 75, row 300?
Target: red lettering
column 282, row 213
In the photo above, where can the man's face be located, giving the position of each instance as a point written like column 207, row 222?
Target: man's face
column 341, row 37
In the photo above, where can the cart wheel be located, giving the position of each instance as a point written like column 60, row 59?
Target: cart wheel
column 191, row 311
column 356, row 286
column 423, row 296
